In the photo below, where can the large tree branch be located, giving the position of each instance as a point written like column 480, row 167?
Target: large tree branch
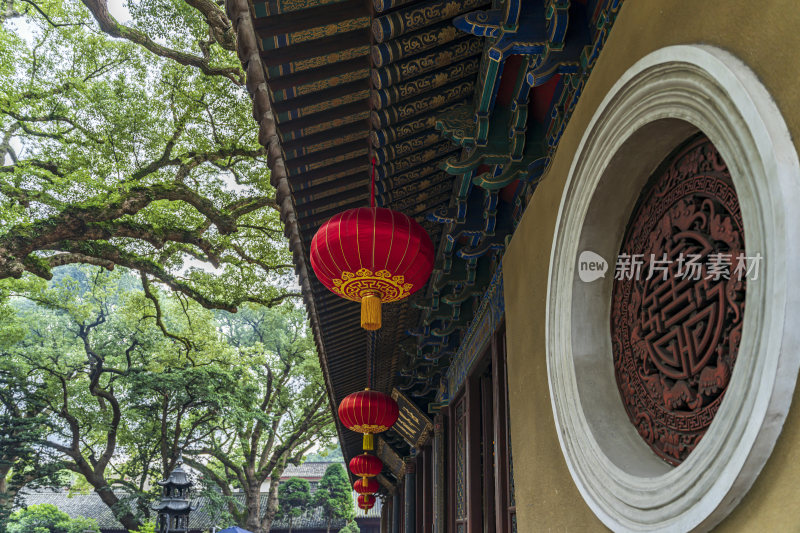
column 99, row 10
column 108, row 252
column 159, row 315
column 219, row 24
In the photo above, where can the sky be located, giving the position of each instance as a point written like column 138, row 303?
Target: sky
column 119, row 10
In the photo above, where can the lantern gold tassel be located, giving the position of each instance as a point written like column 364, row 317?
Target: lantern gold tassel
column 368, row 441
column 371, row 312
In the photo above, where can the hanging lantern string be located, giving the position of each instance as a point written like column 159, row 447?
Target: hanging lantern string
column 372, row 186
column 372, row 350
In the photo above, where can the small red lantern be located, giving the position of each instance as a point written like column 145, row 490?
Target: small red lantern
column 366, row 486
column 368, row 412
column 366, row 502
column 365, row 466
column 372, row 255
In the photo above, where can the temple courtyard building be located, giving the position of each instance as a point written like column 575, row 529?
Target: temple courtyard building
column 609, row 337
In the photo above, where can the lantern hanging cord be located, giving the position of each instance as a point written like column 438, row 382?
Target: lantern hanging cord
column 372, row 186
column 372, row 350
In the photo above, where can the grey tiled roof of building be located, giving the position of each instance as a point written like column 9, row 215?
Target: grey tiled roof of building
column 307, row 470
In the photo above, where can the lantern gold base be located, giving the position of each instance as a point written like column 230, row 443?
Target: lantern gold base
column 371, row 312
column 369, row 441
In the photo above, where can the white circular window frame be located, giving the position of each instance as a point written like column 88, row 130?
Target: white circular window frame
column 659, row 102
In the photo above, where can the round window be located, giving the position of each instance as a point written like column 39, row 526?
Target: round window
column 668, row 392
column 677, row 304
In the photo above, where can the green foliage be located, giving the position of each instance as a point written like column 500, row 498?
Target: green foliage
column 350, row 527
column 132, row 378
column 147, row 527
column 280, row 409
column 134, row 146
column 294, row 495
column 334, row 495
column 46, row 518
column 332, row 454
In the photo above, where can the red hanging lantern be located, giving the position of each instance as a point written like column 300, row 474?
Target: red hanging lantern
column 368, row 412
column 365, row 466
column 372, row 255
column 366, row 485
column 366, row 502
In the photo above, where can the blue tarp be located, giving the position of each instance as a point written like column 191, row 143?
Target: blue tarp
column 234, row 529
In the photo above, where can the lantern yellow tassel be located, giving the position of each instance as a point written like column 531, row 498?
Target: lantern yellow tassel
column 371, row 312
column 368, row 441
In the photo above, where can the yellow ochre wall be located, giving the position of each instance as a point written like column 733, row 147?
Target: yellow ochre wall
column 765, row 35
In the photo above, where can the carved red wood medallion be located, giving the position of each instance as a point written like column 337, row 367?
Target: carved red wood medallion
column 675, row 330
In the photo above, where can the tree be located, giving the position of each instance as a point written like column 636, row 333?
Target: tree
column 331, row 454
column 23, row 426
column 122, row 397
column 294, row 495
column 130, row 377
column 334, row 495
column 135, row 146
column 46, row 518
column 281, row 410
column 350, row 527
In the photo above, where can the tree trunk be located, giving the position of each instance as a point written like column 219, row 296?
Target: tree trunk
column 272, row 501
column 291, row 522
column 7, row 494
column 126, row 518
column 329, row 525
column 253, row 499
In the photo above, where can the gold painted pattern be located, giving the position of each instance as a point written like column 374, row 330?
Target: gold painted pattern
column 322, row 126
column 417, row 86
column 419, row 157
column 416, row 17
column 413, row 107
column 328, row 104
column 308, row 88
column 412, row 44
column 406, row 147
column 276, row 7
column 414, row 174
column 363, row 282
column 425, row 63
column 321, row 61
column 330, row 143
column 369, row 428
column 337, row 159
column 328, row 30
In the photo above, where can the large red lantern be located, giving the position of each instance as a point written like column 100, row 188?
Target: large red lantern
column 368, row 412
column 366, row 502
column 366, row 485
column 372, row 255
column 365, row 466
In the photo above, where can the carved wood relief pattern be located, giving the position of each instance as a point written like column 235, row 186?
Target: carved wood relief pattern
column 675, row 332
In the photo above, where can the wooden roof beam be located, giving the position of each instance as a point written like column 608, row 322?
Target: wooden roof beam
column 320, row 97
column 329, row 189
column 317, row 138
column 342, row 111
column 306, row 19
column 313, row 221
column 323, row 155
column 315, row 48
column 314, row 75
column 333, row 199
column 321, row 176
